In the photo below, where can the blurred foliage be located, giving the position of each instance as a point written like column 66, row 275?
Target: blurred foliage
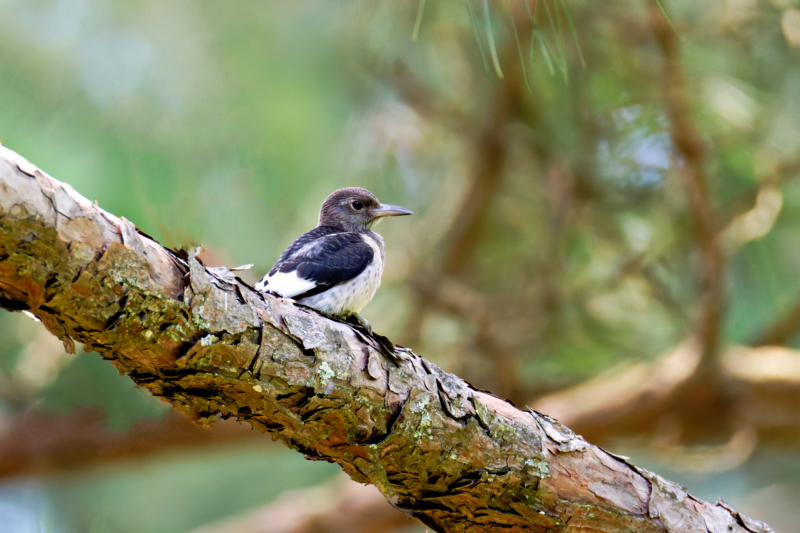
column 173, row 492
column 553, row 237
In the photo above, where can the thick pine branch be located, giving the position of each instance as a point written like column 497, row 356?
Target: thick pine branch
column 455, row 458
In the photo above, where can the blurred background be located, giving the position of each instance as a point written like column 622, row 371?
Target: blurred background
column 606, row 229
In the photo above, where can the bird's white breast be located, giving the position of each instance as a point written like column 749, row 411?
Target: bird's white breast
column 352, row 296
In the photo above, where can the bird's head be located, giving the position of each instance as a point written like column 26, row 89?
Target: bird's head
column 355, row 209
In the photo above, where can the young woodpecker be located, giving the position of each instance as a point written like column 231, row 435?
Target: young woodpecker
column 337, row 266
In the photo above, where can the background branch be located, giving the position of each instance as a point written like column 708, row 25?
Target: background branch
column 44, row 444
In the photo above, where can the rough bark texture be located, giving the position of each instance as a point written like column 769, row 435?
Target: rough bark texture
column 456, row 458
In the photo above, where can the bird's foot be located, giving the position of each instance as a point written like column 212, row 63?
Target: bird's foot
column 359, row 320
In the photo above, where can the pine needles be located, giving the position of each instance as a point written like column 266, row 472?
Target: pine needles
column 551, row 26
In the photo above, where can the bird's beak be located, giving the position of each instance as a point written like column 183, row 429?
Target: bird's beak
column 390, row 211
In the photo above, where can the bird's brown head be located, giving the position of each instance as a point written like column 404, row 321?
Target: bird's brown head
column 355, row 209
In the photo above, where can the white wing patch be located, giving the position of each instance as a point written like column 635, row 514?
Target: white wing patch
column 287, row 284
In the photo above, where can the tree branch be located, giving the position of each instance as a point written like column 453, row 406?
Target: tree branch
column 455, row 458
column 38, row 444
column 633, row 399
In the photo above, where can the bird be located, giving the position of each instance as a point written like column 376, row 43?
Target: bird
column 335, row 268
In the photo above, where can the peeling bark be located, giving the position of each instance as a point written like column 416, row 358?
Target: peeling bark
column 456, row 458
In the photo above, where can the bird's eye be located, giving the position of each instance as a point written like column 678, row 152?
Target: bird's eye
column 357, row 205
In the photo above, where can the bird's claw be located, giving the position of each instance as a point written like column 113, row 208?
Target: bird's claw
column 359, row 320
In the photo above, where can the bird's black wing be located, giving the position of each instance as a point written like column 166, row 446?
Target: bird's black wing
column 304, row 239
column 325, row 261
